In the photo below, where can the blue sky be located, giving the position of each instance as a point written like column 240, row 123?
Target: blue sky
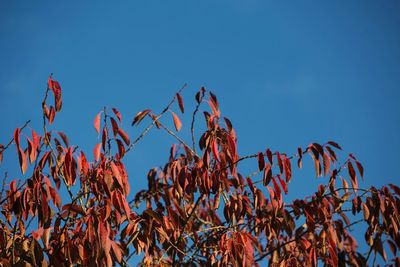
column 287, row 73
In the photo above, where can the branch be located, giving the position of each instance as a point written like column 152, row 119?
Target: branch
column 145, row 131
column 2, row 149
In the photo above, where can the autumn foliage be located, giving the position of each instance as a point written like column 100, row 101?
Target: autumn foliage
column 198, row 210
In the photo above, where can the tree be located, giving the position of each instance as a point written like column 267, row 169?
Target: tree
column 197, row 210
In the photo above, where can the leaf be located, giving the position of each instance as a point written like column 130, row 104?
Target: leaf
column 287, row 168
column 56, row 88
column 327, row 163
column 96, row 152
column 267, row 175
column 116, row 174
column 352, row 174
column 177, row 121
column 139, row 116
column 96, row 122
column 116, row 112
column 117, row 251
column 334, row 144
column 121, row 148
column 23, row 163
column 16, row 137
column 37, row 234
column 360, row 169
column 52, row 114
column 64, row 138
column 180, row 102
column 200, row 95
column 124, row 136
column 214, row 148
column 115, row 127
column 261, row 161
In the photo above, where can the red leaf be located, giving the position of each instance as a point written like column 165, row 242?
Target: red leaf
column 283, row 184
column 116, row 112
column 64, row 138
column 139, row 116
column 52, row 114
column 116, row 174
column 38, row 233
column 16, row 137
column 56, row 88
column 31, row 151
column 287, row 168
column 124, row 136
column 23, row 163
column 121, row 148
column 115, row 127
column 327, row 163
column 353, row 176
column 96, row 152
column 280, row 163
column 267, row 175
column 180, row 103
column 214, row 148
column 360, row 169
column 269, row 156
column 177, row 122
column 96, row 122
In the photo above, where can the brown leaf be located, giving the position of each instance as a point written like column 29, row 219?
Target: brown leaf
column 180, row 103
column 139, row 116
column 334, row 145
column 177, row 121
column 261, row 161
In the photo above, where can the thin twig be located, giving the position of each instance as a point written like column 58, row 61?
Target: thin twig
column 145, row 131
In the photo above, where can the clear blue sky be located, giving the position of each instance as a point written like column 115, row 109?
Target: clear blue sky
column 287, row 73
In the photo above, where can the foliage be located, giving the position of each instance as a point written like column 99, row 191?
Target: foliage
column 197, row 210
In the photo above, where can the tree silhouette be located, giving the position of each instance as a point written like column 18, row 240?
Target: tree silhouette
column 198, row 210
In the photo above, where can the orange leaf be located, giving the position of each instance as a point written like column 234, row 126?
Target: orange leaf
column 23, row 163
column 96, row 152
column 177, row 121
column 96, row 123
